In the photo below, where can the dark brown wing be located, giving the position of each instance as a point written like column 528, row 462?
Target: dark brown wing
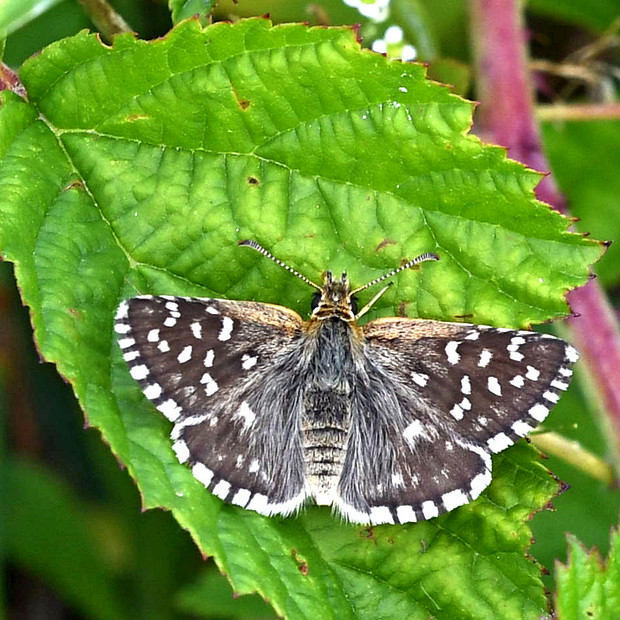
column 216, row 369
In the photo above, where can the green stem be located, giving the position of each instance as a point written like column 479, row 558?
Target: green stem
column 575, row 454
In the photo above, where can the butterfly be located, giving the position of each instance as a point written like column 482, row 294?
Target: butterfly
column 394, row 421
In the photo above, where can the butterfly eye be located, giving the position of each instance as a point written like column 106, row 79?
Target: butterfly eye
column 316, row 300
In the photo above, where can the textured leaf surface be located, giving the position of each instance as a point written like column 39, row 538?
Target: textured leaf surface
column 136, row 168
column 587, row 586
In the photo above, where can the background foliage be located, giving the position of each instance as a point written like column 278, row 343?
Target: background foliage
column 74, row 534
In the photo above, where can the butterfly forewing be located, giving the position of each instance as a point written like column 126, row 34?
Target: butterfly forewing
column 203, row 363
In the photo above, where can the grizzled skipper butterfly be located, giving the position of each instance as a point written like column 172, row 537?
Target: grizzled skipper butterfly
column 390, row 422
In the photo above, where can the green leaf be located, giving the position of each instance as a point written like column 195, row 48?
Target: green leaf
column 47, row 532
column 596, row 14
column 587, row 587
column 136, row 168
column 14, row 15
column 183, row 9
column 591, row 183
column 211, row 596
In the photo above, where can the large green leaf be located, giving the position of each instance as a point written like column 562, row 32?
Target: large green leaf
column 136, row 168
column 587, row 587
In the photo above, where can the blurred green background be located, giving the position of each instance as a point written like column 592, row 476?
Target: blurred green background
column 73, row 539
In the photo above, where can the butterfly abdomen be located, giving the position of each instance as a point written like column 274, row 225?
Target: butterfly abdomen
column 326, row 414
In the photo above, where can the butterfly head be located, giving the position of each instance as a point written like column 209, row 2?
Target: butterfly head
column 334, row 299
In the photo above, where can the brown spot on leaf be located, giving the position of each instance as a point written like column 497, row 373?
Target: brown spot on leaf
column 253, row 181
column 302, row 565
column 384, row 243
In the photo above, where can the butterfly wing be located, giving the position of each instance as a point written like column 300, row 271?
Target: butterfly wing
column 440, row 399
column 200, row 361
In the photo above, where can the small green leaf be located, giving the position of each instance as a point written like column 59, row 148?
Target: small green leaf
column 137, row 168
column 183, row 9
column 14, row 15
column 587, row 586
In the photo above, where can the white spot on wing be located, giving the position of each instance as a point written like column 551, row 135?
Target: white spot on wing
column 185, row 355
column 532, row 374
column 248, row 361
column 258, row 503
column 122, row 311
column 211, row 387
column 139, row 372
column 163, row 346
column 517, row 381
column 221, row 489
column 466, row 385
column 202, row 473
column 181, row 450
column 494, row 386
column 571, row 354
column 419, row 378
column 170, row 409
column 254, row 466
column 456, row 412
column 212, row 310
column 170, row 321
column 429, row 509
column 500, row 442
column 539, row 412
column 152, row 391
column 559, row 385
column 452, row 353
column 227, row 328
column 209, row 357
column 153, row 335
column 380, row 514
column 521, row 428
column 485, row 357
column 241, row 497
column 246, row 414
column 122, row 328
column 551, row 397
column 413, row 431
column 125, row 343
column 196, row 328
column 454, row 499
column 406, row 514
column 130, row 356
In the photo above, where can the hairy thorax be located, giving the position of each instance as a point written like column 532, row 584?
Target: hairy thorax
column 326, row 415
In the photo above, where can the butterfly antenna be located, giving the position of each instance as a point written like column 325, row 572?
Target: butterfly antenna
column 259, row 248
column 420, row 259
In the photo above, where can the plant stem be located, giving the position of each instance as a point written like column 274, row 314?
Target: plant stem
column 574, row 453
column 105, row 18
column 579, row 112
column 507, row 117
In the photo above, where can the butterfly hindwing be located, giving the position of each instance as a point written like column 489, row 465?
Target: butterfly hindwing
column 435, row 410
column 213, row 368
column 404, row 462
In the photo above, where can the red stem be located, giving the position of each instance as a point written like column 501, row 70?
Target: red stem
column 507, row 117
